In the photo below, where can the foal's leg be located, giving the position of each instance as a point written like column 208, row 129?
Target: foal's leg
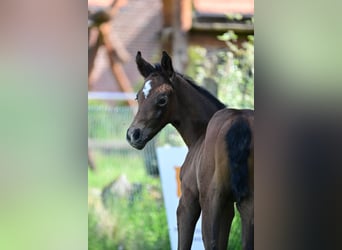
column 222, row 222
column 188, row 212
column 246, row 209
column 216, row 221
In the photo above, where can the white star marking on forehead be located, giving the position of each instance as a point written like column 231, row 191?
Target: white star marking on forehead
column 147, row 88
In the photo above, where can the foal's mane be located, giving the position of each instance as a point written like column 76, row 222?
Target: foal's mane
column 203, row 91
column 200, row 89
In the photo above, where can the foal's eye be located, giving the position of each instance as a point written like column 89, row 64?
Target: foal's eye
column 162, row 101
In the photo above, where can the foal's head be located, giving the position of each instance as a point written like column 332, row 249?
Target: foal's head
column 156, row 100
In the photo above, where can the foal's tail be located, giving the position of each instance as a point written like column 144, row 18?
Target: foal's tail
column 238, row 140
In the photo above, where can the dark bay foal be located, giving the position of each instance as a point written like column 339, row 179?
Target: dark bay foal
column 218, row 169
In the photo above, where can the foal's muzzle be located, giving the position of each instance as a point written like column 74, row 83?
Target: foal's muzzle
column 135, row 137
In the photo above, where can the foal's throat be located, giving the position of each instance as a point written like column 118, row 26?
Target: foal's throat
column 191, row 132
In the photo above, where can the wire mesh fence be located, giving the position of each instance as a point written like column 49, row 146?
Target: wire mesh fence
column 126, row 208
column 107, row 127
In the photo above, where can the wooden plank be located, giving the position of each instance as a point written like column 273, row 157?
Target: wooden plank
column 92, row 52
column 116, row 67
column 179, row 43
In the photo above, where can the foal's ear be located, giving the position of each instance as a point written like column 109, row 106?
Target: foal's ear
column 144, row 67
column 166, row 64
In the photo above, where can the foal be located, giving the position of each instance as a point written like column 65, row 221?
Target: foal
column 218, row 169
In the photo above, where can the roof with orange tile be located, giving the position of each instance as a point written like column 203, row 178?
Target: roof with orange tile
column 206, row 6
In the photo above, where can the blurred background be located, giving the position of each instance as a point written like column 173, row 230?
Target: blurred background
column 44, row 111
column 212, row 42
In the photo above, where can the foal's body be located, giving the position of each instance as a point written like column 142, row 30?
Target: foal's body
column 206, row 186
column 218, row 169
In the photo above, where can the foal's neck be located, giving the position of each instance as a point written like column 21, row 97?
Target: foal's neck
column 193, row 112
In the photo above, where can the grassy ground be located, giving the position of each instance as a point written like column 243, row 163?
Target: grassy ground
column 113, row 165
column 137, row 222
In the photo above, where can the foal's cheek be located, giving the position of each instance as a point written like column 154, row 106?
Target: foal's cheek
column 158, row 114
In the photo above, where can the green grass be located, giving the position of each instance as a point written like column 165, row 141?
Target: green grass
column 113, row 165
column 234, row 242
column 137, row 224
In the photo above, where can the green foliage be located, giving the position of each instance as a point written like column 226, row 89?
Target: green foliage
column 144, row 224
column 138, row 223
column 97, row 240
column 231, row 68
column 234, row 242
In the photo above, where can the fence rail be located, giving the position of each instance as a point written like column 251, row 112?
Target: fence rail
column 112, row 96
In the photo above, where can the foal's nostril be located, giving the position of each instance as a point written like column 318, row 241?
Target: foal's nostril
column 133, row 135
column 136, row 134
